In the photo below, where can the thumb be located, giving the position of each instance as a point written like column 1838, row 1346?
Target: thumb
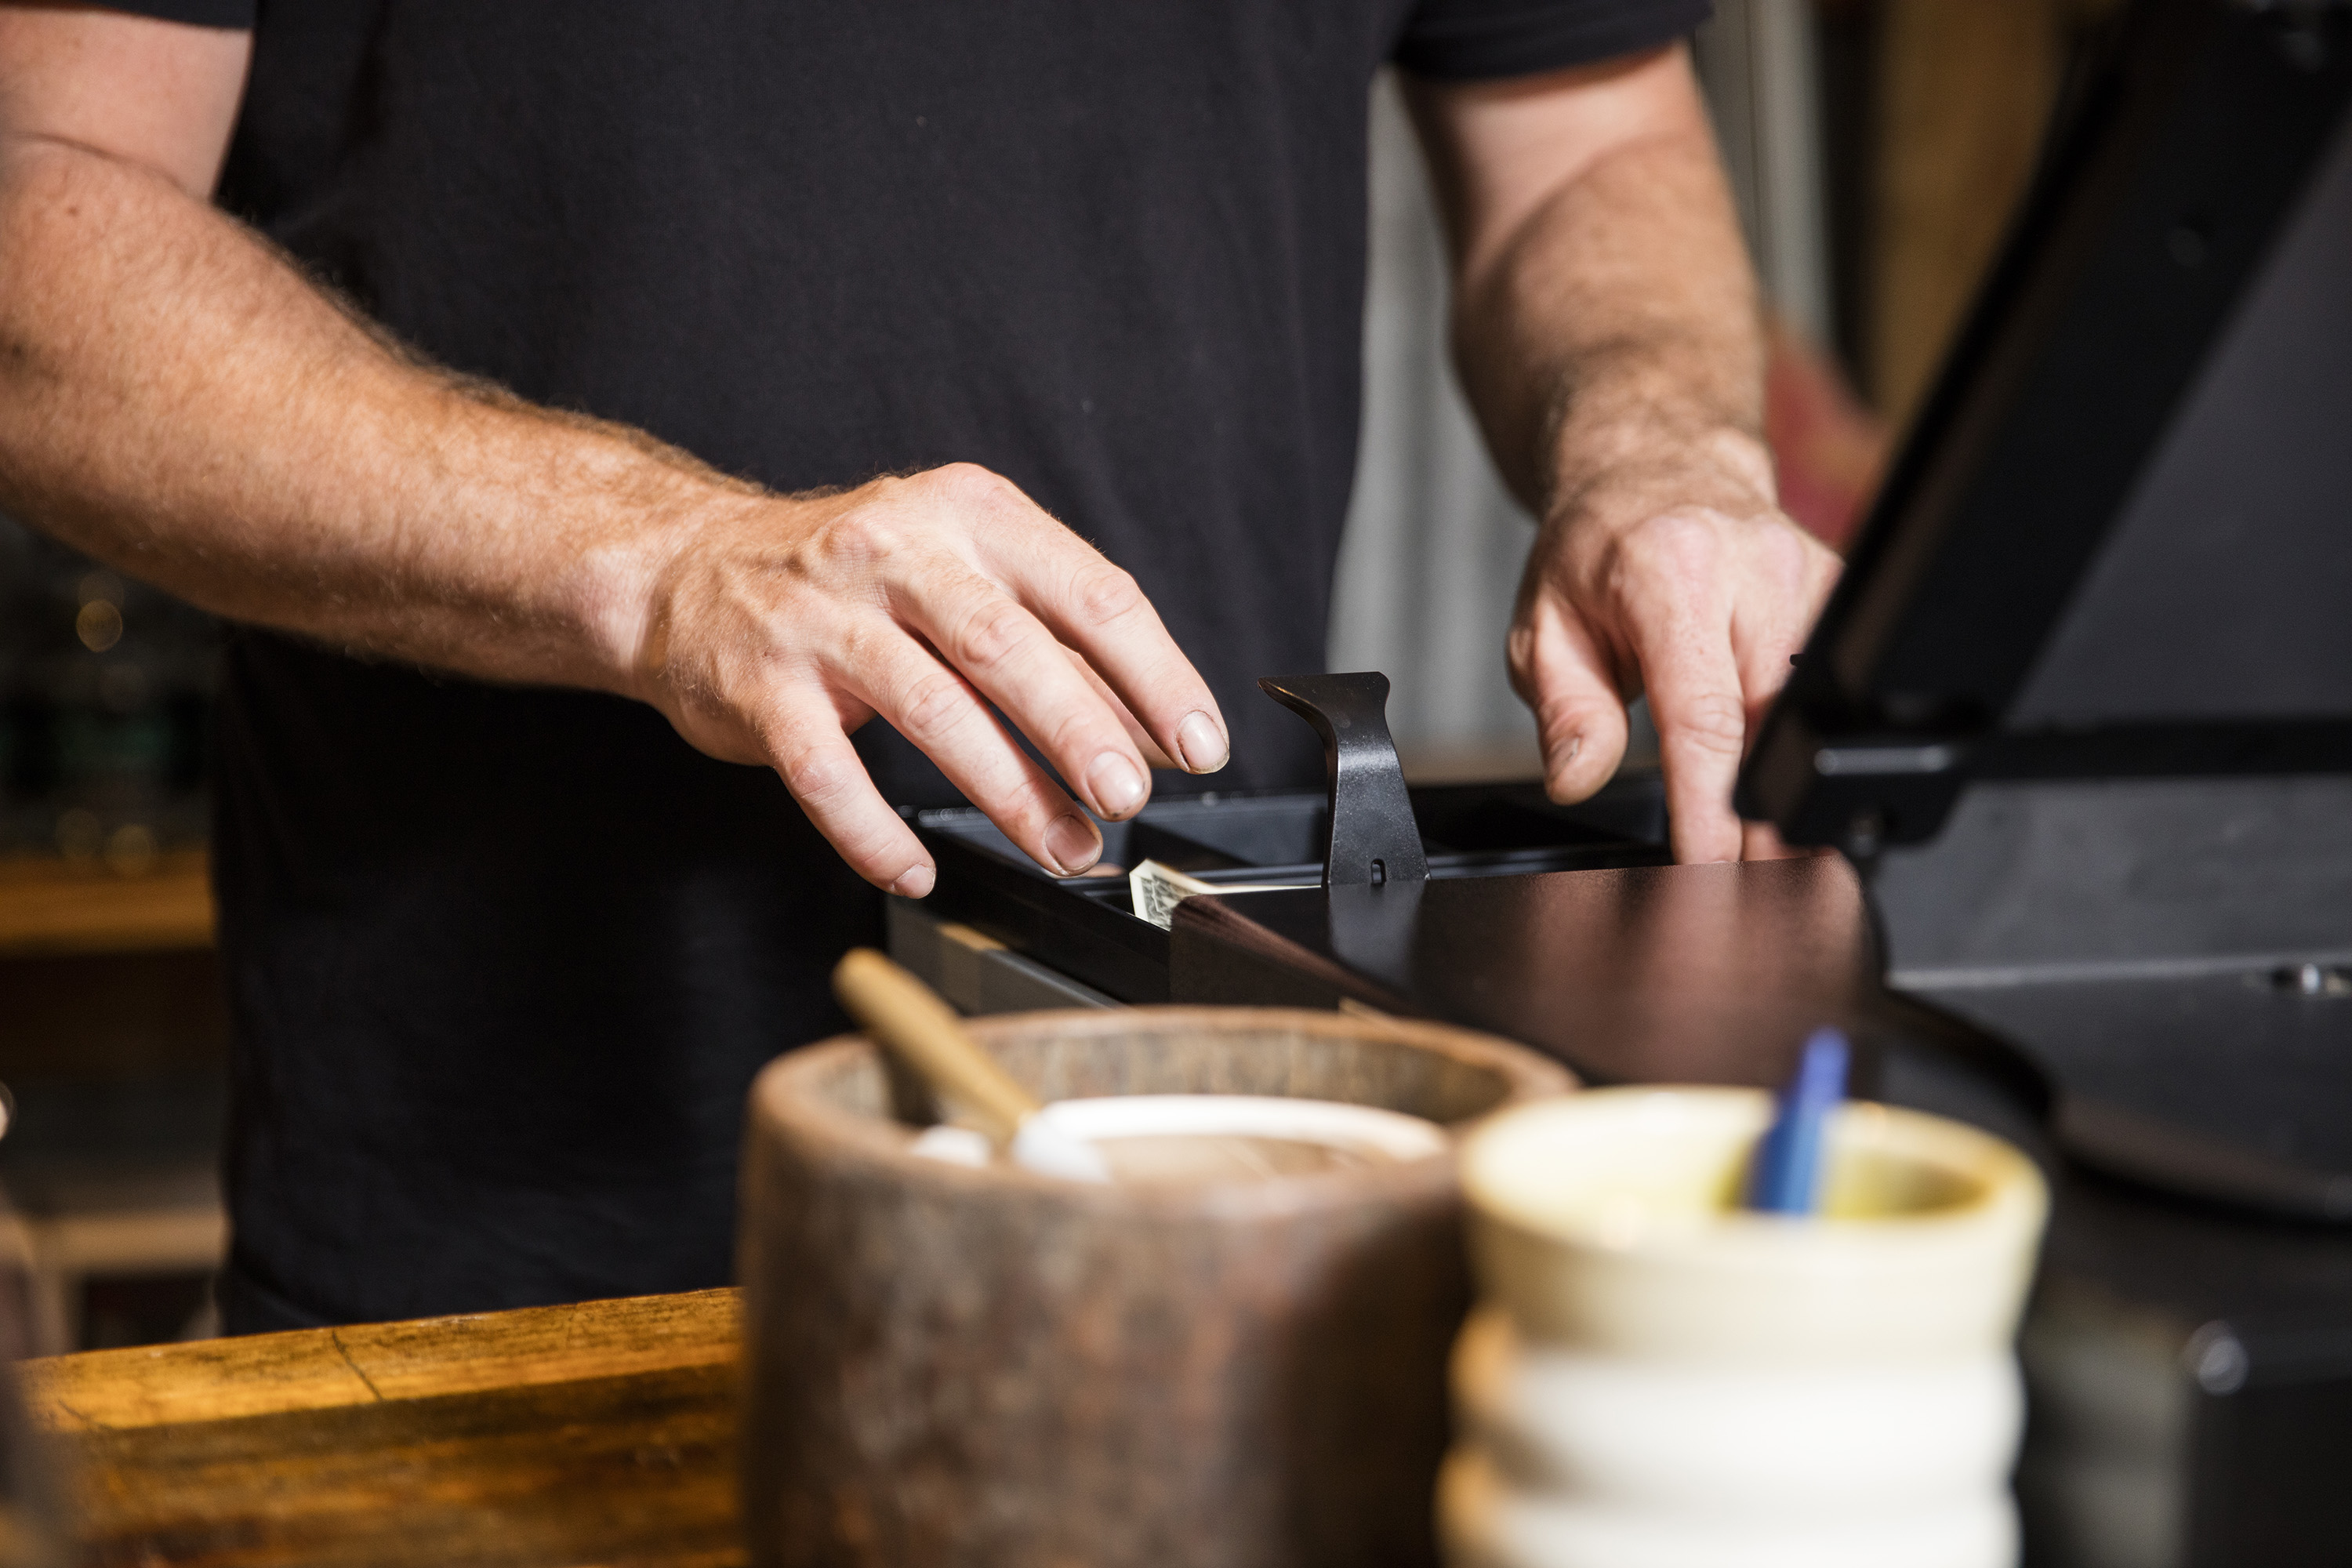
column 1559, row 671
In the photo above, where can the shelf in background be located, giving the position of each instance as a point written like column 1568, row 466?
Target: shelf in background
column 50, row 907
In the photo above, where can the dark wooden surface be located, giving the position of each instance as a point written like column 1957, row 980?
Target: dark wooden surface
column 603, row 1433
column 1713, row 973
column 1638, row 975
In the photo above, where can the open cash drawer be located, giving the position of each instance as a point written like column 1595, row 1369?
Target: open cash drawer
column 1085, row 927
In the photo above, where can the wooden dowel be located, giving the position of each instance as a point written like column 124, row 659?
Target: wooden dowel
column 907, row 1017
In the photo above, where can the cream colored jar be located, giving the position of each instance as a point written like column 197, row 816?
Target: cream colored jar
column 1656, row 1379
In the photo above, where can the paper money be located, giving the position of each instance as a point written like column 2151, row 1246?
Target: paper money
column 1157, row 889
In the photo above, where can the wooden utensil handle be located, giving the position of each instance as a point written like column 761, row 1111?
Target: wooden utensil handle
column 906, row 1017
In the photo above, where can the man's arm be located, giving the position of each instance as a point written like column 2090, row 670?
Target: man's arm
column 177, row 400
column 1607, row 331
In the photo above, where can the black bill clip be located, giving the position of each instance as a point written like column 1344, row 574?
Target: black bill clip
column 1374, row 840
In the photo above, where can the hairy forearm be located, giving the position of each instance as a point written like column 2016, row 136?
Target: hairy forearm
column 1608, row 331
column 1617, row 317
column 177, row 400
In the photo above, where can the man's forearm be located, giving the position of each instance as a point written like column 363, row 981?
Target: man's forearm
column 1608, row 334
column 1617, row 319
column 177, row 400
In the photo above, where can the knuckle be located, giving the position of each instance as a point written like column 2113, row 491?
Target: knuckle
column 933, row 705
column 1076, row 735
column 861, row 645
column 1519, row 648
column 991, row 635
column 1102, row 593
column 1556, row 714
column 1714, row 721
column 1523, row 664
column 856, row 540
column 821, row 777
column 968, row 484
column 1681, row 544
column 1789, row 558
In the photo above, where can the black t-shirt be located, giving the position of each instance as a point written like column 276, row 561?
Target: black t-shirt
column 504, row 960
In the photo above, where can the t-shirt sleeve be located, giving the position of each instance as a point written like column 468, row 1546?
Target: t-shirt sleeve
column 237, row 14
column 1465, row 40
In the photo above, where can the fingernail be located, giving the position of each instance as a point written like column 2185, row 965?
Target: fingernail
column 1071, row 841
column 1118, row 787
column 1203, row 743
column 914, row 882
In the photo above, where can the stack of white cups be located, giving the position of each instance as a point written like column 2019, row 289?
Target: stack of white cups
column 1656, row 1380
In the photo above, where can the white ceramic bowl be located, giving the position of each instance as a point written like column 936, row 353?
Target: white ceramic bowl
column 1369, row 1131
column 1390, row 1134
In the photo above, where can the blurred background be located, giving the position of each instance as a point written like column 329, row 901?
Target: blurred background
column 1876, row 146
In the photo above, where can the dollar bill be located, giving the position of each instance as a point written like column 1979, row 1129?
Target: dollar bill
column 1157, row 889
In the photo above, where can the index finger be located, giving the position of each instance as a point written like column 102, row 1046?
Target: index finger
column 1693, row 680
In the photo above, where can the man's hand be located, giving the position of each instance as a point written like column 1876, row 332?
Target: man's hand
column 1608, row 333
column 1675, row 574
column 774, row 629
column 177, row 400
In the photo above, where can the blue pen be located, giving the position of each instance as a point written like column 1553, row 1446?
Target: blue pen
column 1786, row 1175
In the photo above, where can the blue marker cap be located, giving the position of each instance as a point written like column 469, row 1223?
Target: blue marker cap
column 1787, row 1175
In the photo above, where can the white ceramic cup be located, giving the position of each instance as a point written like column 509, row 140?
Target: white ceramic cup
column 1656, row 1380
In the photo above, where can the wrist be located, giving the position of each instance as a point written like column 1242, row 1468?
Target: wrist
column 1655, row 459
column 625, row 574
